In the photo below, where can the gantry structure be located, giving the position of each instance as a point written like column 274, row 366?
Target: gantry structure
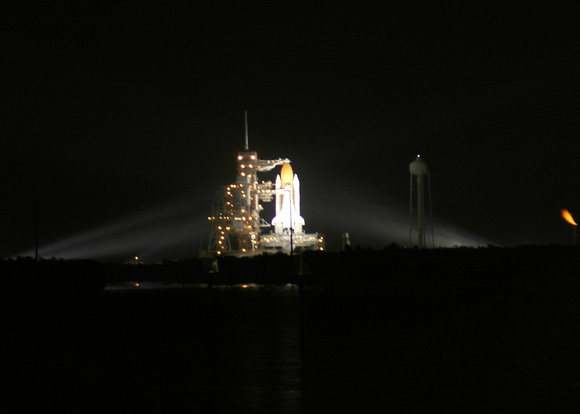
column 236, row 224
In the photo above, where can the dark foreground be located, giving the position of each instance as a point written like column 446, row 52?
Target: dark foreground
column 481, row 332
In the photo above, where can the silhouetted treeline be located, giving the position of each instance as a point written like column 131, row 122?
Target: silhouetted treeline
column 451, row 270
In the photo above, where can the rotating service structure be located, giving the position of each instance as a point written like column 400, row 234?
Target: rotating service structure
column 236, row 223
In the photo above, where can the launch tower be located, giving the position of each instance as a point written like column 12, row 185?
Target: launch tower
column 238, row 228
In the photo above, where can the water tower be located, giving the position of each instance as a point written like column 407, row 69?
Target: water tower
column 420, row 203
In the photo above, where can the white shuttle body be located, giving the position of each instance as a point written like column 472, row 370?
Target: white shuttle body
column 287, row 202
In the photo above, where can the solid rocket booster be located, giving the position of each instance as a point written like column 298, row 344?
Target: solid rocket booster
column 297, row 193
column 278, row 193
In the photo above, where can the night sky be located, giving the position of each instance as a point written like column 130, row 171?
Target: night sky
column 122, row 120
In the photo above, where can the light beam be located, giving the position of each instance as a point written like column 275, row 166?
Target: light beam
column 157, row 232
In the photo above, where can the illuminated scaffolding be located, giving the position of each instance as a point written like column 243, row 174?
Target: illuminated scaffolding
column 219, row 240
column 236, row 223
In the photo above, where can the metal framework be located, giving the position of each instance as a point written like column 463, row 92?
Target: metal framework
column 236, row 225
column 219, row 240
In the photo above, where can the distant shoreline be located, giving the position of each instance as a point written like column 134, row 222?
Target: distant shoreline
column 354, row 268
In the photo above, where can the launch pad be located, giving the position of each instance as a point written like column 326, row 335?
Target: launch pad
column 236, row 225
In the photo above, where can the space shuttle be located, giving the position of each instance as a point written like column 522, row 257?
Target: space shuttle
column 287, row 201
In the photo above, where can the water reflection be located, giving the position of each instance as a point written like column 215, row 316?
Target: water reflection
column 257, row 345
column 260, row 350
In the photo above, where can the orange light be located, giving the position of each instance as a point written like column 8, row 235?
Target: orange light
column 568, row 217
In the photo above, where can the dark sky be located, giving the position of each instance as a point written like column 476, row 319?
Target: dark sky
column 122, row 120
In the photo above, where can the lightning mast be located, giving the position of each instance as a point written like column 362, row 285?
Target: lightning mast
column 246, row 146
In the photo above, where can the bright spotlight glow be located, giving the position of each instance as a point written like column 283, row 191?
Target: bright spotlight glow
column 388, row 224
column 155, row 233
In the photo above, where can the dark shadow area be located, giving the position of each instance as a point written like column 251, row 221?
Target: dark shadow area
column 403, row 330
